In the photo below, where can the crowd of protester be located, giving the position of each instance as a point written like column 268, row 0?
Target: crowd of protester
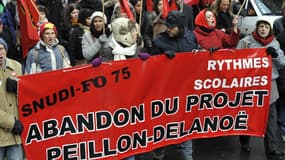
column 76, row 32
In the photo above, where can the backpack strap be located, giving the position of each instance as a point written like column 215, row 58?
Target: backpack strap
column 61, row 50
column 35, row 53
column 36, row 56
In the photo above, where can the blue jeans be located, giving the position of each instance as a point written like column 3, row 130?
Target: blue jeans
column 130, row 158
column 14, row 152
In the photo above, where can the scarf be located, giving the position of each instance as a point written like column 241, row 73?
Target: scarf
column 263, row 41
column 120, row 52
column 74, row 22
column 84, row 27
column 207, row 30
column 200, row 19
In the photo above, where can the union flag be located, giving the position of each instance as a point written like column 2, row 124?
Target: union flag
column 29, row 18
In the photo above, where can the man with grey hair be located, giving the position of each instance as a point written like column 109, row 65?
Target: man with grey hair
column 10, row 126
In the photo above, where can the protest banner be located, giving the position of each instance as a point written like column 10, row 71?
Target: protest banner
column 123, row 108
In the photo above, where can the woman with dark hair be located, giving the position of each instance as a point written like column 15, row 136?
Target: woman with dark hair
column 70, row 20
column 97, row 39
column 75, row 38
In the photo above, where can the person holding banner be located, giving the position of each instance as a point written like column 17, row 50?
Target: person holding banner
column 123, row 45
column 176, row 38
column 209, row 37
column 262, row 37
column 10, row 126
column 47, row 54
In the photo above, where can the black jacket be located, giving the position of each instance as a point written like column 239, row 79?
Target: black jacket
column 185, row 43
column 281, row 80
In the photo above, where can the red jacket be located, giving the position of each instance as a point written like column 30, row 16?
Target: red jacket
column 216, row 39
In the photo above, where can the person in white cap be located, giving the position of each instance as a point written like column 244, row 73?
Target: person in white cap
column 97, row 39
column 10, row 126
column 262, row 37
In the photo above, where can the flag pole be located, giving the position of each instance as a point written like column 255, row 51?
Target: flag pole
column 103, row 11
column 241, row 7
column 140, row 18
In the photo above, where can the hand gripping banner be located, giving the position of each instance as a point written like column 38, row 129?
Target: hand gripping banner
column 128, row 107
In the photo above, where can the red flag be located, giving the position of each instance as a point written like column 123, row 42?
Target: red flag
column 173, row 6
column 165, row 8
column 149, row 5
column 191, row 2
column 29, row 18
column 125, row 8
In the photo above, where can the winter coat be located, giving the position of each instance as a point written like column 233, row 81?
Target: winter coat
column 43, row 58
column 162, row 43
column 216, row 39
column 224, row 21
column 91, row 47
column 277, row 63
column 8, row 105
column 75, row 47
column 279, row 25
column 281, row 80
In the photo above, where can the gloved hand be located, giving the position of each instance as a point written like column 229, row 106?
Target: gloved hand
column 11, row 85
column 18, row 127
column 148, row 44
column 212, row 50
column 144, row 56
column 272, row 51
column 139, row 40
column 96, row 62
column 103, row 38
column 170, row 54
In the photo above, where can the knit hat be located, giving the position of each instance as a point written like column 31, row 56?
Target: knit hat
column 201, row 20
column 263, row 20
column 99, row 14
column 3, row 42
column 47, row 25
column 122, row 28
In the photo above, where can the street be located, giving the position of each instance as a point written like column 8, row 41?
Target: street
column 220, row 148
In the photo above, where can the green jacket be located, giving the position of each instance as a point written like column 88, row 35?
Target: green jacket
column 8, row 105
